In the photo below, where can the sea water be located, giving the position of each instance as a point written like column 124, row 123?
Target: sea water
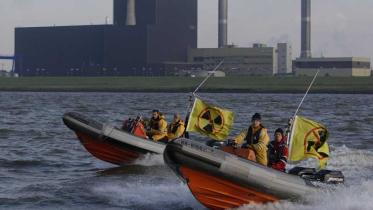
column 43, row 165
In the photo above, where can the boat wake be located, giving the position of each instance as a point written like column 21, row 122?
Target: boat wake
column 344, row 198
column 150, row 160
column 141, row 195
column 357, row 166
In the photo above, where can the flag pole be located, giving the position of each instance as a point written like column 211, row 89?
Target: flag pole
column 208, row 76
column 299, row 106
column 305, row 95
column 189, row 109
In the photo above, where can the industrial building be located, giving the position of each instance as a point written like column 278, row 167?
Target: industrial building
column 257, row 60
column 336, row 67
column 307, row 65
column 145, row 35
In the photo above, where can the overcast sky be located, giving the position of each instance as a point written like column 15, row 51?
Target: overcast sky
column 339, row 27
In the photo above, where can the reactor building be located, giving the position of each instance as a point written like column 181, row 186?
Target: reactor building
column 144, row 35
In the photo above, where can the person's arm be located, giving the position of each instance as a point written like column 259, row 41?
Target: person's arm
column 240, row 138
column 180, row 131
column 262, row 144
column 162, row 128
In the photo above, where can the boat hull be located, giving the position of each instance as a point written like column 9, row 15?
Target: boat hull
column 108, row 151
column 218, row 193
column 108, row 143
column 220, row 180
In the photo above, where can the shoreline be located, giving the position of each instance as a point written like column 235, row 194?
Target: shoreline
column 248, row 84
column 279, row 91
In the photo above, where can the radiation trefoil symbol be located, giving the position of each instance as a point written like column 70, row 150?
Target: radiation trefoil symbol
column 211, row 121
column 315, row 138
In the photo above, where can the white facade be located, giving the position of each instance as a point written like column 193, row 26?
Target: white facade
column 284, row 58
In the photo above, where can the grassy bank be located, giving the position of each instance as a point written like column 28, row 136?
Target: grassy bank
column 186, row 84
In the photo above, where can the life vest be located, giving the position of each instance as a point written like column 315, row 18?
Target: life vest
column 175, row 126
column 277, row 152
column 139, row 130
column 154, row 123
column 253, row 138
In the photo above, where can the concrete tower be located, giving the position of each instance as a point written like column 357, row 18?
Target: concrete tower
column 306, row 29
column 119, row 16
column 223, row 23
column 131, row 13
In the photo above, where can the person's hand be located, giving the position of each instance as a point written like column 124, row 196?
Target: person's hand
column 290, row 121
column 231, row 142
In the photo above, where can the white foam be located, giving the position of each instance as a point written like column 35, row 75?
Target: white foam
column 344, row 198
column 150, row 160
column 357, row 193
column 146, row 194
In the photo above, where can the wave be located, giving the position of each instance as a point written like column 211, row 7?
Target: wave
column 150, row 160
column 357, row 166
column 344, row 198
column 141, row 195
column 21, row 163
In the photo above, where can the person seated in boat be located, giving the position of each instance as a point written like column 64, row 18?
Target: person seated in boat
column 255, row 138
column 158, row 127
column 177, row 128
column 128, row 124
column 278, row 151
column 135, row 126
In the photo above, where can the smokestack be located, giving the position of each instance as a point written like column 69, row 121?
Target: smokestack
column 223, row 19
column 119, row 16
column 131, row 13
column 306, row 29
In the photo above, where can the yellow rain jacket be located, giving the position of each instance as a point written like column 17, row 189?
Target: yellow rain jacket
column 176, row 130
column 256, row 139
column 158, row 128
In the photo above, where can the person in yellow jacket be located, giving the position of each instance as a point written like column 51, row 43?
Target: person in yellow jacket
column 158, row 127
column 256, row 138
column 176, row 128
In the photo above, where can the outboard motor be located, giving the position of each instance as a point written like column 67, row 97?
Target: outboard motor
column 325, row 176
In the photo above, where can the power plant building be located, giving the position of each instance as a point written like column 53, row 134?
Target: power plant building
column 256, row 60
column 307, row 65
column 336, row 67
column 145, row 35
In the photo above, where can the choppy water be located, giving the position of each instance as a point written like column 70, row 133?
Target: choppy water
column 43, row 165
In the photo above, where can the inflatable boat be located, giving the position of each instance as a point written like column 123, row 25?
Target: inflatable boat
column 220, row 180
column 108, row 143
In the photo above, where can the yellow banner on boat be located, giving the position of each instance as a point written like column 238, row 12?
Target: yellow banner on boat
column 308, row 140
column 211, row 121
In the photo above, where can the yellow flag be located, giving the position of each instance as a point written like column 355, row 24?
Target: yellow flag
column 308, row 140
column 211, row 121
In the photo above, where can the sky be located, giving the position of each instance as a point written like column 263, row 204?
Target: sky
column 339, row 27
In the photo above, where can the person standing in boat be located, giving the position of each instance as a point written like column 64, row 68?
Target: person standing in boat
column 158, row 127
column 255, row 138
column 278, row 151
column 177, row 128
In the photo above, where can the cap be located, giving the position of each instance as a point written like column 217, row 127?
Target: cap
column 256, row 116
